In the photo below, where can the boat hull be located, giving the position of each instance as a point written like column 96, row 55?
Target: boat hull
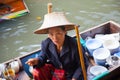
column 10, row 9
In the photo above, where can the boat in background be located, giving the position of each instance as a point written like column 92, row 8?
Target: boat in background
column 110, row 27
column 10, row 9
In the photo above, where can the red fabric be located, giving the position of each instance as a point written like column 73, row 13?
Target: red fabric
column 44, row 73
column 59, row 74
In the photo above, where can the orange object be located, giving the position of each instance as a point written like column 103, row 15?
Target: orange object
column 38, row 18
column 12, row 8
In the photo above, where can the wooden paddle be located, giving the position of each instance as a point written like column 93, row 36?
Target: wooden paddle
column 49, row 7
column 80, row 53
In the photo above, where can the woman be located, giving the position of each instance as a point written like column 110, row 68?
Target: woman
column 60, row 49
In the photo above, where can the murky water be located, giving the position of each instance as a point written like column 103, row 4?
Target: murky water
column 17, row 38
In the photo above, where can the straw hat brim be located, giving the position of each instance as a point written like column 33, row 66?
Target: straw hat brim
column 45, row 31
column 54, row 19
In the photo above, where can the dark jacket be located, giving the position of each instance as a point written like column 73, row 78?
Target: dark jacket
column 68, row 58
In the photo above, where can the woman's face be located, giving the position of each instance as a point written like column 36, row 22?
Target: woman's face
column 57, row 35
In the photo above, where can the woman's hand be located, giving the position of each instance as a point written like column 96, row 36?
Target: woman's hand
column 32, row 61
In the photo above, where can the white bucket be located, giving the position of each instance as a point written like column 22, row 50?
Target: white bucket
column 96, row 70
column 100, row 55
column 93, row 44
column 112, row 45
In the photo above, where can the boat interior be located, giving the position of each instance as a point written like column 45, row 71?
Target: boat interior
column 105, row 28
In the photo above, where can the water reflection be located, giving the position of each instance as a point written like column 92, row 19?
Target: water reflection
column 28, row 47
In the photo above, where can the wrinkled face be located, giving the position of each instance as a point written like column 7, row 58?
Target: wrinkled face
column 57, row 35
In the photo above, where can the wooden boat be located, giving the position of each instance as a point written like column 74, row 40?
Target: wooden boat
column 104, row 28
column 10, row 9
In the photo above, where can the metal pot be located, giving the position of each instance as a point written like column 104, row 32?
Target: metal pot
column 15, row 65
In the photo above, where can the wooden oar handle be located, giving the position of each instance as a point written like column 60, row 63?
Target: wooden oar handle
column 81, row 53
column 49, row 7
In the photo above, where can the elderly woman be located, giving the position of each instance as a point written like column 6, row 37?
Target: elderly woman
column 59, row 49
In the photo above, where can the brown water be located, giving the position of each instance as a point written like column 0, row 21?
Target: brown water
column 17, row 38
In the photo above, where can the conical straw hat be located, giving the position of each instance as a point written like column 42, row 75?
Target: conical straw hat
column 54, row 19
